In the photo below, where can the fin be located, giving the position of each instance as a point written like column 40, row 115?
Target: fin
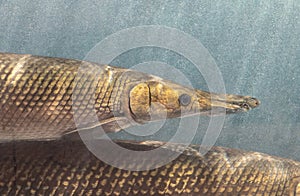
column 8, row 140
column 187, row 149
column 113, row 124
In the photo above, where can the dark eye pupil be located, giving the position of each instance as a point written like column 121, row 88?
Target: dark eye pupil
column 184, row 99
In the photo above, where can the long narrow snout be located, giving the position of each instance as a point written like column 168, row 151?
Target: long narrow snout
column 218, row 103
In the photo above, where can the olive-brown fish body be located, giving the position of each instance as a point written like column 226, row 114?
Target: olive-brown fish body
column 45, row 98
column 67, row 168
column 38, row 95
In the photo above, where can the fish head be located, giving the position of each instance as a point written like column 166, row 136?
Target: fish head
column 159, row 99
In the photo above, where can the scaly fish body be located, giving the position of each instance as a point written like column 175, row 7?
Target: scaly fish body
column 65, row 167
column 41, row 96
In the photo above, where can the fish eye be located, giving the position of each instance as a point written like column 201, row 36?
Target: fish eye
column 184, row 99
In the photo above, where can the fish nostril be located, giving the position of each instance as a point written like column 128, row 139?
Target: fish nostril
column 255, row 101
column 252, row 102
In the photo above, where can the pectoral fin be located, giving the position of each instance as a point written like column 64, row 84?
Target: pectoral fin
column 113, row 124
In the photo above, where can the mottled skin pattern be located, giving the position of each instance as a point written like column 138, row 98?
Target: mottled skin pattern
column 41, row 96
column 64, row 167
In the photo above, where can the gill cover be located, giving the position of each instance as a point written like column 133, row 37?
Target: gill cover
column 139, row 102
column 151, row 101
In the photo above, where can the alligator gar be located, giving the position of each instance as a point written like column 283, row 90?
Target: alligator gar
column 41, row 96
column 62, row 167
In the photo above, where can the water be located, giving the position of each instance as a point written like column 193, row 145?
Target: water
column 256, row 47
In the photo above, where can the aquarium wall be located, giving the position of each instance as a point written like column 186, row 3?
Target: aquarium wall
column 255, row 46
